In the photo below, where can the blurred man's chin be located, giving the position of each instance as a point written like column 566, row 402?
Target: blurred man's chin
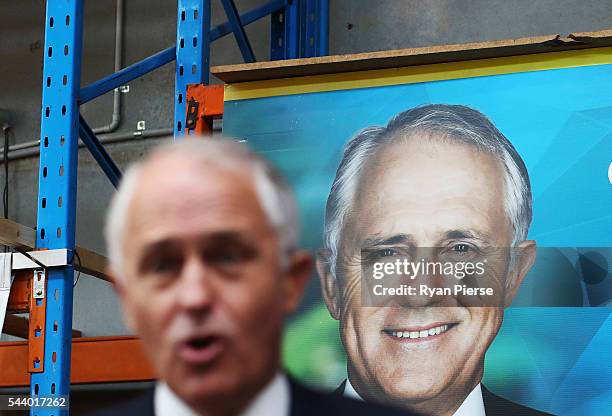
column 195, row 388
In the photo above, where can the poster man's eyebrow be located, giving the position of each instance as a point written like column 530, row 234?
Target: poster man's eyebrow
column 395, row 239
column 451, row 234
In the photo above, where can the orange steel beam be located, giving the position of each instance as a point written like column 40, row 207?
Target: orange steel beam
column 94, row 360
column 204, row 104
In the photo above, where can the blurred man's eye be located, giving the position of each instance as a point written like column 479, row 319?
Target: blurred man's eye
column 229, row 258
column 164, row 266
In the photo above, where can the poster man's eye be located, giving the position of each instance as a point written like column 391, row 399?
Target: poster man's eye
column 386, row 252
column 374, row 255
column 461, row 248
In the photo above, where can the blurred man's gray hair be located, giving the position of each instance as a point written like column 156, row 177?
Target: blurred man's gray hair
column 275, row 196
column 453, row 123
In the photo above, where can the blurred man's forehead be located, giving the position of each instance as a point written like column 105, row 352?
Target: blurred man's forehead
column 191, row 198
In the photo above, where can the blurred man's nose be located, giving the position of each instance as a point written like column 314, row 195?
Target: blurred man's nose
column 195, row 288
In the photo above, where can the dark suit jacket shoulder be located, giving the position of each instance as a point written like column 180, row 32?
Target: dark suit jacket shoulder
column 307, row 402
column 495, row 405
column 303, row 402
column 141, row 405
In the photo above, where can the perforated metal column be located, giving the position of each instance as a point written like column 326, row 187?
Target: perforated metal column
column 314, row 27
column 192, row 54
column 300, row 30
column 57, row 189
column 285, row 32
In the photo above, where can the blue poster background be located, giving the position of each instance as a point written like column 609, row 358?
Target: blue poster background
column 557, row 359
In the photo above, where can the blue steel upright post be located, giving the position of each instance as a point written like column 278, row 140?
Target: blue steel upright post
column 314, row 28
column 285, row 32
column 57, row 188
column 300, row 30
column 192, row 54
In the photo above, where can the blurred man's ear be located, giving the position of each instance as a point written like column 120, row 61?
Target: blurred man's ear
column 119, row 286
column 329, row 286
column 296, row 278
column 525, row 256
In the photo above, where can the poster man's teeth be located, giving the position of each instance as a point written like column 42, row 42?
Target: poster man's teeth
column 421, row 334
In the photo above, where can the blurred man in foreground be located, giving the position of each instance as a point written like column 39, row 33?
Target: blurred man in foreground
column 202, row 240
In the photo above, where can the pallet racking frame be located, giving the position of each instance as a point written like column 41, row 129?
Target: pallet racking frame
column 298, row 28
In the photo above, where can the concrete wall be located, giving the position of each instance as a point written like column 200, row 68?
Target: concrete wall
column 355, row 26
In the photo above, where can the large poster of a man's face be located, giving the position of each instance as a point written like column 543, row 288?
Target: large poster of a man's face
column 509, row 171
column 436, row 176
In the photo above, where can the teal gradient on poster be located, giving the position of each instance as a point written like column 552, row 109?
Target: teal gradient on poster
column 560, row 121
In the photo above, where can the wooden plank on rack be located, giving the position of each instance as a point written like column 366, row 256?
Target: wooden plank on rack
column 23, row 237
column 17, row 235
column 91, row 263
column 408, row 57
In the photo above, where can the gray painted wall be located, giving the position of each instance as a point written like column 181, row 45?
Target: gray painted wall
column 355, row 26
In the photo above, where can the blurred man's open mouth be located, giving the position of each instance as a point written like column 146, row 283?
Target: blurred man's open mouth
column 420, row 333
column 200, row 350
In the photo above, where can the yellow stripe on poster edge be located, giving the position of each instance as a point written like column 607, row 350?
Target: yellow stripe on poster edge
column 417, row 74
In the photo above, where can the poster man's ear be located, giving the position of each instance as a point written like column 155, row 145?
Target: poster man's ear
column 329, row 284
column 525, row 256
